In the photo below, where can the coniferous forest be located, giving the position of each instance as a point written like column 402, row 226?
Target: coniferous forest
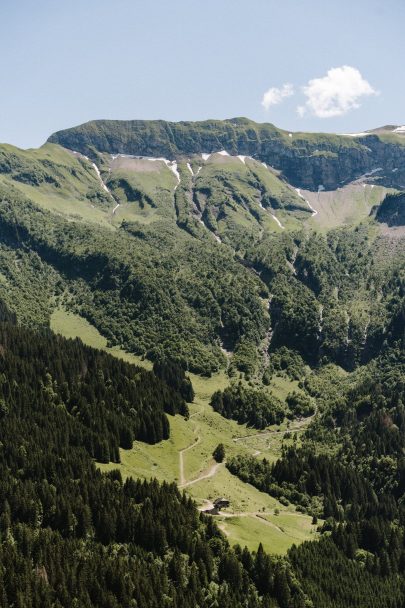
column 72, row 536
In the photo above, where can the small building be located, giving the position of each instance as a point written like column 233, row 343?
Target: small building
column 213, row 511
column 221, row 503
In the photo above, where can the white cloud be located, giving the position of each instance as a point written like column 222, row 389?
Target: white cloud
column 336, row 93
column 275, row 95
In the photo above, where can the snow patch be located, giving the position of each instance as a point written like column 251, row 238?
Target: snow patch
column 170, row 164
column 198, row 171
column 314, row 211
column 82, row 155
column 272, row 215
column 264, row 165
column 373, row 171
column 242, row 158
column 173, row 168
column 216, row 237
column 163, row 160
column 114, row 156
column 115, row 208
column 97, row 170
column 190, row 168
column 205, row 156
column 363, row 134
column 223, row 153
column 400, row 129
column 277, row 221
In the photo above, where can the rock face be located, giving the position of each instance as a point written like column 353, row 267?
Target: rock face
column 305, row 160
column 392, row 210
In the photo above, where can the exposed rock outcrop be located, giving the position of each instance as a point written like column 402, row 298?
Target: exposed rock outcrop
column 305, row 160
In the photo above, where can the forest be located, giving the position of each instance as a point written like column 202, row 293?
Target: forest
column 248, row 406
column 348, row 470
column 72, row 536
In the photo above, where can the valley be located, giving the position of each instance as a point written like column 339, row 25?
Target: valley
column 186, row 458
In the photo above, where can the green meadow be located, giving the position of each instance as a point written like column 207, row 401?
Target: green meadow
column 251, row 517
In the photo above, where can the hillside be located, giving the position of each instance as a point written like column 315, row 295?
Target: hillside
column 204, row 264
column 182, row 258
column 71, row 535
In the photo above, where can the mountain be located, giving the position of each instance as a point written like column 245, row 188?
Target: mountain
column 260, row 276
column 306, row 160
column 197, row 256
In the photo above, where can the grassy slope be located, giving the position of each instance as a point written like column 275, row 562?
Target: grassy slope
column 204, row 431
column 151, row 182
column 222, row 176
column 76, row 179
column 216, row 184
column 154, row 181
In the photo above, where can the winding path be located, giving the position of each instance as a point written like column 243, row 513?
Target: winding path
column 210, row 472
column 207, row 473
column 182, row 479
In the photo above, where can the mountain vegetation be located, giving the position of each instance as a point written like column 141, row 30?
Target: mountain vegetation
column 391, row 211
column 72, row 536
column 248, row 406
column 202, row 248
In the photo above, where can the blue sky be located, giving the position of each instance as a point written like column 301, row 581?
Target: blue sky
column 66, row 62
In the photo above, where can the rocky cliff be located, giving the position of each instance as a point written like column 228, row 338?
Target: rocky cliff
column 306, row 160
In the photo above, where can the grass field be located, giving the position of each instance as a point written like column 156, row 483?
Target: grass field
column 70, row 325
column 274, row 534
column 243, row 522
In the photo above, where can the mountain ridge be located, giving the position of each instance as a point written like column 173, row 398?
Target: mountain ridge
column 306, row 160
